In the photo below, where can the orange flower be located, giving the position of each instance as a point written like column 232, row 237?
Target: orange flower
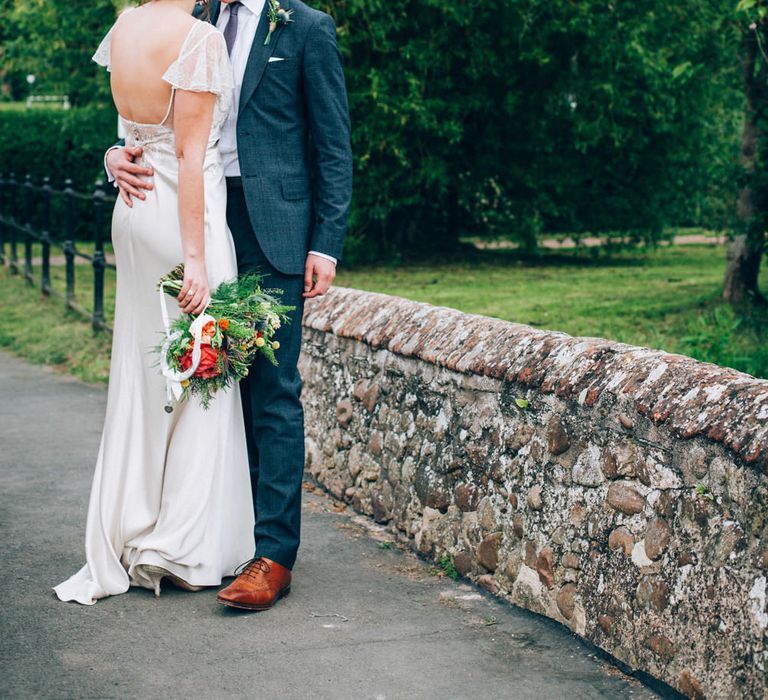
column 224, row 323
column 209, row 358
column 209, row 330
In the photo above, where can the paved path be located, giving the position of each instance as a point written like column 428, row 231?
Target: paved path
column 362, row 620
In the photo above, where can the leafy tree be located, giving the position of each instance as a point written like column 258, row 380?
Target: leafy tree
column 529, row 116
column 54, row 41
column 747, row 245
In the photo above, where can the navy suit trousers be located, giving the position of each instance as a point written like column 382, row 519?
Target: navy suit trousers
column 274, row 418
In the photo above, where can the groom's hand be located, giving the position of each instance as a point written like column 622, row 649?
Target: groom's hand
column 318, row 276
column 126, row 172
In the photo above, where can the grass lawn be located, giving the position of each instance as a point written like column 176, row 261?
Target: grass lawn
column 667, row 299
column 43, row 331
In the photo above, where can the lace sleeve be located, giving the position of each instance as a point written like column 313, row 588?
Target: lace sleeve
column 103, row 53
column 203, row 63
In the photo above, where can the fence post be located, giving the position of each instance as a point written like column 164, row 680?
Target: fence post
column 99, row 262
column 69, row 242
column 28, row 229
column 12, row 208
column 45, row 279
column 3, row 214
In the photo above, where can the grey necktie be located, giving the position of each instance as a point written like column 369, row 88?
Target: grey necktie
column 230, row 31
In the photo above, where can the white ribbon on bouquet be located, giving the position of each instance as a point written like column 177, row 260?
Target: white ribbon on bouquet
column 174, row 378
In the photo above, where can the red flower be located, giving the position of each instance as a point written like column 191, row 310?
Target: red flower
column 209, row 360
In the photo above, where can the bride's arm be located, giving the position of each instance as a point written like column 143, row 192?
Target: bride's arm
column 192, row 116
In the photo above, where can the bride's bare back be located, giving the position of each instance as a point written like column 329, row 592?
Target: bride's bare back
column 145, row 42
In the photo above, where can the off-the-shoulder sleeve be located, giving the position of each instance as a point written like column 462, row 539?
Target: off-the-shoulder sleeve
column 104, row 52
column 203, row 64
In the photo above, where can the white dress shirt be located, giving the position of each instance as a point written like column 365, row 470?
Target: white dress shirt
column 247, row 23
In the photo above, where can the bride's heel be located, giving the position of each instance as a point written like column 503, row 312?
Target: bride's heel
column 157, row 573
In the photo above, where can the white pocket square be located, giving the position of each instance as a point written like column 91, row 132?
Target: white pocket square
column 274, row 58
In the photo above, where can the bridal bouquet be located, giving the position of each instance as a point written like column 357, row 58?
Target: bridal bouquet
column 201, row 355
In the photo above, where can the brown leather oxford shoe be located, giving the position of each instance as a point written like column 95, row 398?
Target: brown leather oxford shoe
column 260, row 583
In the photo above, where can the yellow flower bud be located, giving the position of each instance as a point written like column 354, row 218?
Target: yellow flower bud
column 260, row 342
column 275, row 344
column 185, row 383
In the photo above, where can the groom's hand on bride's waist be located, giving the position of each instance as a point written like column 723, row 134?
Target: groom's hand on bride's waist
column 319, row 273
column 121, row 164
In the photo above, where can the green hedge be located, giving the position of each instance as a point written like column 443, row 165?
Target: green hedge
column 57, row 143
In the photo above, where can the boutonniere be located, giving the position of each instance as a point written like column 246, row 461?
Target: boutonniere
column 277, row 18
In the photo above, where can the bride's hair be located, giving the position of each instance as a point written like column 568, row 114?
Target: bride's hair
column 204, row 14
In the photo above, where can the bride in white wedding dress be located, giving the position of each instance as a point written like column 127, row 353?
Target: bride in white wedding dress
column 171, row 495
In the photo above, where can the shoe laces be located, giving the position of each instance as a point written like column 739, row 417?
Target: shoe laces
column 253, row 567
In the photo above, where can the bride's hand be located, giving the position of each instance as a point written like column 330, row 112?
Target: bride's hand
column 195, row 294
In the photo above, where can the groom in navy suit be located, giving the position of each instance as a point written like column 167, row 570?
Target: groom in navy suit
column 288, row 166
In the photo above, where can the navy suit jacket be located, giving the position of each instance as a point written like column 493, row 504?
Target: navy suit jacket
column 293, row 138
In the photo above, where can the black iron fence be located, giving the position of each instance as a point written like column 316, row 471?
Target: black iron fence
column 55, row 219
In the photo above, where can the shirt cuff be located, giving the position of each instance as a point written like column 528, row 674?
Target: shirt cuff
column 323, row 255
column 110, row 176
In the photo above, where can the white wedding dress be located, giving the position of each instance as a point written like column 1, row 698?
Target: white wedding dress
column 169, row 490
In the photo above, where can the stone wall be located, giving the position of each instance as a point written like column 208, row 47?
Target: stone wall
column 619, row 490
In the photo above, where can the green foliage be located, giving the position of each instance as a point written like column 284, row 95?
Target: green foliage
column 244, row 317
column 445, row 567
column 730, row 338
column 54, row 40
column 57, row 143
column 517, row 117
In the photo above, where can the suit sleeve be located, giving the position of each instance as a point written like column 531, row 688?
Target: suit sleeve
column 110, row 176
column 328, row 112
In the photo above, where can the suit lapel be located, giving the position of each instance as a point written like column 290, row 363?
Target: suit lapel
column 215, row 10
column 259, row 55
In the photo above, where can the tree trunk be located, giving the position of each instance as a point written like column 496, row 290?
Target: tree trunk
column 741, row 271
column 745, row 248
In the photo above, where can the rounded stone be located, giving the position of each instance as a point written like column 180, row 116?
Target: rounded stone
column 545, row 567
column 530, row 554
column 488, row 552
column 652, row 593
column 557, row 438
column 621, row 538
column 517, row 525
column 534, row 499
column 626, row 421
column 624, row 497
column 570, row 561
column 344, row 412
column 605, row 622
column 375, row 444
column 463, row 563
column 488, row 582
column 486, row 513
column 566, row 600
column 690, row 686
column 656, row 538
column 661, row 646
column 466, row 497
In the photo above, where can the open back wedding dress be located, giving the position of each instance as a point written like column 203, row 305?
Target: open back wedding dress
column 169, row 489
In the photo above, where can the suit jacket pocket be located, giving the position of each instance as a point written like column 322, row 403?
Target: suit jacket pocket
column 295, row 188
